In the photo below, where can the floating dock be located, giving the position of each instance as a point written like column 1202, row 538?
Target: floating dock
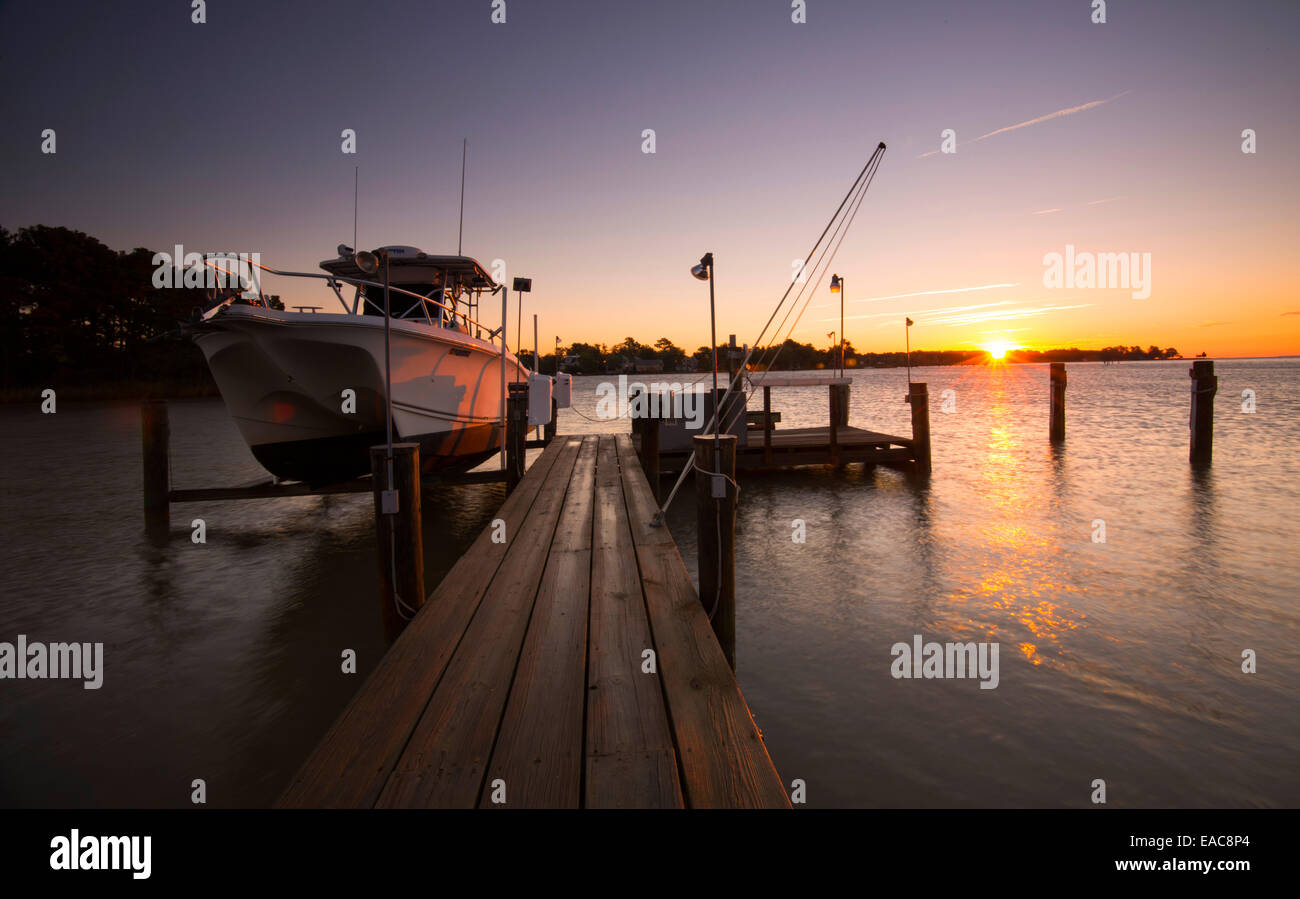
column 570, row 665
column 765, row 447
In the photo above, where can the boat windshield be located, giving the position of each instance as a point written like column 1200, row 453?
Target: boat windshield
column 405, row 306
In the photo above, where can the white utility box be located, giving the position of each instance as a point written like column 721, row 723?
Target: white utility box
column 563, row 390
column 539, row 400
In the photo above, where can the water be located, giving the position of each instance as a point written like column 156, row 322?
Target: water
column 1119, row 661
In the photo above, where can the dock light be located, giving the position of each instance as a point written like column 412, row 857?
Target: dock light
column 702, row 271
column 837, row 286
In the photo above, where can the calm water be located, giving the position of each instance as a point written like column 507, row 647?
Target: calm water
column 1119, row 660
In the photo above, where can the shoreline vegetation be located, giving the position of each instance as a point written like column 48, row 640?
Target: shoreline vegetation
column 88, row 322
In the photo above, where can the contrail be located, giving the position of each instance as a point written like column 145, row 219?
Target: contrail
column 926, row 293
column 1070, row 110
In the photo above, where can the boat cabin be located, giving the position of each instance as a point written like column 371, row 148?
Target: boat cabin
column 440, row 290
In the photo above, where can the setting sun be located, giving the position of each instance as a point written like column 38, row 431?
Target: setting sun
column 998, row 349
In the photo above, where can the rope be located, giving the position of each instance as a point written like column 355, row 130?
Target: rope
column 854, row 200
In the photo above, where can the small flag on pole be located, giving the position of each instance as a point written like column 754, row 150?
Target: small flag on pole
column 910, row 323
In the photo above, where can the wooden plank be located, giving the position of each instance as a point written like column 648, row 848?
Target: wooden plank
column 724, row 763
column 631, row 762
column 349, row 766
column 442, row 765
column 538, row 750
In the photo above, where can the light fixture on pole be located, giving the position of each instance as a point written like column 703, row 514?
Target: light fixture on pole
column 704, row 272
column 837, row 286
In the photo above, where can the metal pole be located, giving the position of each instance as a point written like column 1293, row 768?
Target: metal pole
column 843, row 289
column 717, row 411
column 388, row 372
column 460, row 230
column 907, row 339
column 505, row 312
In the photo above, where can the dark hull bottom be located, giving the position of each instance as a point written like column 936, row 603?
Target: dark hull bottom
column 328, row 460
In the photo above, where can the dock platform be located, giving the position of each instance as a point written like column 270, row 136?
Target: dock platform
column 570, row 665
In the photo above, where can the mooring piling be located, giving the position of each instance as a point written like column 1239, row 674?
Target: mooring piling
column 918, row 396
column 398, row 534
column 715, row 500
column 516, row 433
column 155, row 434
column 1204, row 386
column 1057, row 381
column 650, row 450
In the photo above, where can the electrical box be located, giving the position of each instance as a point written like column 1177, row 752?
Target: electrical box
column 563, row 390
column 539, row 400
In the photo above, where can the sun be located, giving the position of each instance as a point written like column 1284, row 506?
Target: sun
column 998, row 350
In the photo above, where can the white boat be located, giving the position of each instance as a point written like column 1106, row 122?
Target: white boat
column 306, row 387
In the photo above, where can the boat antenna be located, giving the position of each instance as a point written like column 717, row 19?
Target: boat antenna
column 356, row 180
column 464, row 147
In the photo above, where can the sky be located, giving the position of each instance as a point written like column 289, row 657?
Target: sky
column 1122, row 137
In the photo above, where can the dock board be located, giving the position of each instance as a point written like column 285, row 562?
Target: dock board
column 525, row 669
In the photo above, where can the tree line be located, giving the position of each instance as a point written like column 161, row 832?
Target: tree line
column 74, row 312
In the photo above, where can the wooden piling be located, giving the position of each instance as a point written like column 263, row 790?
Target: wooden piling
column 155, row 434
column 398, row 535
column 834, row 427
column 1204, row 385
column 767, row 425
column 516, row 434
column 1057, row 381
column 918, row 396
column 548, row 433
column 840, row 404
column 650, row 451
column 716, row 519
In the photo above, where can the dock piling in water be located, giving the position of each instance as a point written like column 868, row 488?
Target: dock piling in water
column 155, row 433
column 918, row 396
column 1204, row 386
column 716, row 517
column 516, row 433
column 398, row 535
column 1057, row 380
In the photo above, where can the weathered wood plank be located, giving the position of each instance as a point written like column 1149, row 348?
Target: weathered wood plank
column 538, row 750
column 723, row 760
column 349, row 766
column 442, row 765
column 631, row 762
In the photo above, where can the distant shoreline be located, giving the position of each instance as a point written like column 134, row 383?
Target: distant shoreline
column 175, row 389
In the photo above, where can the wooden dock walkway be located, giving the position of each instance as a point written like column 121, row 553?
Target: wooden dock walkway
column 523, row 675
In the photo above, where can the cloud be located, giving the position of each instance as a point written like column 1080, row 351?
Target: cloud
column 1046, row 211
column 1213, row 324
column 1297, row 312
column 1106, row 200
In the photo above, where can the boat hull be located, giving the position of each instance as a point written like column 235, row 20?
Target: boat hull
column 307, row 390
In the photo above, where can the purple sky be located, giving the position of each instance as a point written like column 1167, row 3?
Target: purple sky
column 226, row 136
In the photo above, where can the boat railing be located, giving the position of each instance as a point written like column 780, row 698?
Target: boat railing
column 334, row 280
